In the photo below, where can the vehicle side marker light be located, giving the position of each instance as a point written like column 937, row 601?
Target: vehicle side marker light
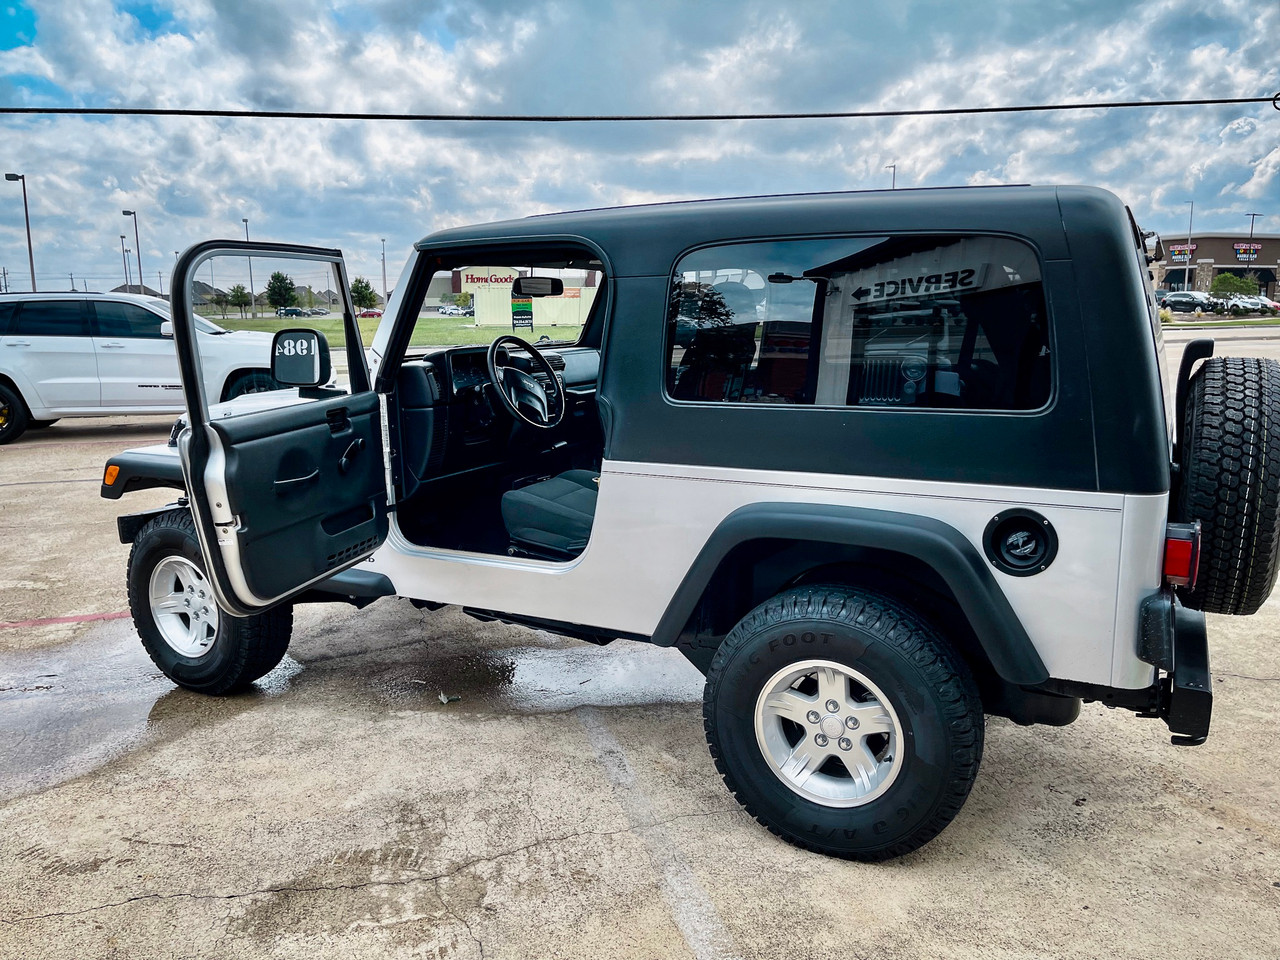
column 109, row 478
column 1182, row 554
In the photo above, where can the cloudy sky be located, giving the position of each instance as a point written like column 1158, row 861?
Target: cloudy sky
column 347, row 184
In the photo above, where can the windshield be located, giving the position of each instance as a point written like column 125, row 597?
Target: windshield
column 475, row 304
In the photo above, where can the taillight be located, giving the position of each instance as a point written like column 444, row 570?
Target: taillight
column 1181, row 554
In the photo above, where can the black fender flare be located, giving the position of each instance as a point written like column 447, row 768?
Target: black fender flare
column 947, row 551
column 141, row 469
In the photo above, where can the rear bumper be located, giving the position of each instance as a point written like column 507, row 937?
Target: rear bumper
column 1174, row 641
column 1186, row 694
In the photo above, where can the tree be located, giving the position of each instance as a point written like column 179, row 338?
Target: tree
column 362, row 294
column 458, row 299
column 239, row 297
column 1228, row 283
column 280, row 291
column 220, row 300
column 311, row 297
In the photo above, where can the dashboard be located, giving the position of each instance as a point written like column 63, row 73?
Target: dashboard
column 449, row 423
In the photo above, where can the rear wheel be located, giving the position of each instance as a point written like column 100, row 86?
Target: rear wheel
column 195, row 644
column 13, row 415
column 843, row 722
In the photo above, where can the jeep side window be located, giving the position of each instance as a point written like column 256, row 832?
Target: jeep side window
column 922, row 322
column 50, row 318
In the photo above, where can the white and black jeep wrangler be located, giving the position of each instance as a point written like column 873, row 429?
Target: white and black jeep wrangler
column 879, row 464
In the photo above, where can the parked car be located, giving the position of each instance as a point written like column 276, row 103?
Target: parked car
column 104, row 354
column 1188, row 301
column 921, row 471
column 1246, row 303
column 365, row 314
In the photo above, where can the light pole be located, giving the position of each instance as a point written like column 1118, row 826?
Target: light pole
column 893, row 182
column 1252, row 217
column 253, row 300
column 1186, row 274
column 31, row 257
column 136, row 243
column 124, row 259
column 384, row 273
column 128, row 277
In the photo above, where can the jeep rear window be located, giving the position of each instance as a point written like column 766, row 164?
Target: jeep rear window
column 912, row 322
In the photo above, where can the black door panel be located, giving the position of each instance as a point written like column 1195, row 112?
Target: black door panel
column 306, row 485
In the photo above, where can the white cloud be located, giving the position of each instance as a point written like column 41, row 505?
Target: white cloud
column 347, row 184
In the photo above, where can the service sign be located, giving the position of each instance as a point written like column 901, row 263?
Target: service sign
column 1247, row 252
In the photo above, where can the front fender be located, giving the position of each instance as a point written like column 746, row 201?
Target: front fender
column 142, row 468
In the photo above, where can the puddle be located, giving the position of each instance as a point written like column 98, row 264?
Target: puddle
column 546, row 680
column 65, row 710
column 69, row 709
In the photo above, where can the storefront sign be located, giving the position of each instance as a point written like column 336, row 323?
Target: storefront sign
column 1180, row 252
column 1247, row 252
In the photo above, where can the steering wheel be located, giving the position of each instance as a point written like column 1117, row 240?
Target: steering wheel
column 524, row 396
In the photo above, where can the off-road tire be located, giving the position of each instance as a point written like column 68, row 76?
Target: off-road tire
column 1229, row 475
column 14, row 418
column 256, row 381
column 926, row 682
column 243, row 650
column 41, row 424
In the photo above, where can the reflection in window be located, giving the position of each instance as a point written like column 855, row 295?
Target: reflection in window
column 911, row 322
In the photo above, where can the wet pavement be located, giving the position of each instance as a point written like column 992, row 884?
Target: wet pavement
column 563, row 805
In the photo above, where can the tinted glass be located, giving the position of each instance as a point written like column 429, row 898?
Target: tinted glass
column 6, row 314
column 905, row 322
column 50, row 318
column 126, row 320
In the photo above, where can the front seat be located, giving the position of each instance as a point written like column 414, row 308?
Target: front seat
column 552, row 518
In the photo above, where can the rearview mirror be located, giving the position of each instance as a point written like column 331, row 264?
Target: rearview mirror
column 537, row 287
column 166, row 328
column 300, row 358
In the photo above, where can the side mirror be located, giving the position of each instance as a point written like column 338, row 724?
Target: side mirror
column 537, row 287
column 300, row 358
column 166, row 328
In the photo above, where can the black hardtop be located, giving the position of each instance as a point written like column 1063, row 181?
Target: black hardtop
column 640, row 240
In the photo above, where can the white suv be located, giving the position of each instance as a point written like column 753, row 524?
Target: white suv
column 100, row 354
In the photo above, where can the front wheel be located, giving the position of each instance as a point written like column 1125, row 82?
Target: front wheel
column 195, row 644
column 256, row 381
column 843, row 722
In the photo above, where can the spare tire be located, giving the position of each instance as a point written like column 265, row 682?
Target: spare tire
column 1229, row 472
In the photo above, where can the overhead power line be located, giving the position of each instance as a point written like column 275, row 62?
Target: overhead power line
column 622, row 118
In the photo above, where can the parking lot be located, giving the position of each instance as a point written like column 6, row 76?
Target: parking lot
column 564, row 805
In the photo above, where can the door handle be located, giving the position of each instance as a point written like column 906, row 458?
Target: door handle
column 282, row 485
column 356, row 446
column 112, row 346
column 19, row 343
